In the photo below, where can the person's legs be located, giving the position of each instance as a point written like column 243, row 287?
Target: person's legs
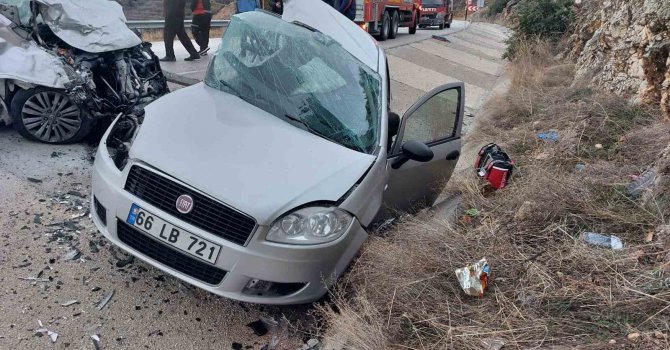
column 206, row 26
column 186, row 41
column 198, row 30
column 168, row 37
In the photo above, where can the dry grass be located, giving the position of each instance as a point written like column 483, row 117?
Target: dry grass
column 549, row 289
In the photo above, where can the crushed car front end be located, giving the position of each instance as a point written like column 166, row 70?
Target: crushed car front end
column 69, row 64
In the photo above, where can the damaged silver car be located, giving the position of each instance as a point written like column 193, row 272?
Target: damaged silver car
column 67, row 64
column 267, row 193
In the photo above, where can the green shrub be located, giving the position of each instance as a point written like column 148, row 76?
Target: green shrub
column 543, row 19
column 496, row 7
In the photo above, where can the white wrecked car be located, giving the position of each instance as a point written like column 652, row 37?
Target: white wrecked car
column 268, row 192
column 65, row 64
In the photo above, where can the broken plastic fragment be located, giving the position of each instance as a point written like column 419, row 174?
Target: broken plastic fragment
column 73, row 254
column 105, row 300
column 474, row 278
column 53, row 336
column 96, row 341
column 612, row 242
column 70, row 302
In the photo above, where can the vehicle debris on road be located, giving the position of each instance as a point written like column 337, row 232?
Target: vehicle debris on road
column 474, row 278
column 53, row 336
column 78, row 64
column 105, row 300
column 69, row 303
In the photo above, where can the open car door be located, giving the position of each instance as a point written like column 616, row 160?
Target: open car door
column 435, row 121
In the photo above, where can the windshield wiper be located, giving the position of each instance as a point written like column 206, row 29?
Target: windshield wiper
column 322, row 135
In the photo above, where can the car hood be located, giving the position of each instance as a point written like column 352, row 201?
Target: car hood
column 91, row 25
column 243, row 156
column 25, row 61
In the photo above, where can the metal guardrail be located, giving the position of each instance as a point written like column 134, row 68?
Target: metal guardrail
column 160, row 24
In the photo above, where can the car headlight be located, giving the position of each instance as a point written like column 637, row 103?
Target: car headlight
column 313, row 225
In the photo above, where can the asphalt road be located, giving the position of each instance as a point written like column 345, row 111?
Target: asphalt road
column 43, row 217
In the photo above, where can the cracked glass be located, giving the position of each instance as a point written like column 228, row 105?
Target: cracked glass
column 301, row 76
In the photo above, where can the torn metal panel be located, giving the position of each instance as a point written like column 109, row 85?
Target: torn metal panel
column 90, row 25
column 26, row 61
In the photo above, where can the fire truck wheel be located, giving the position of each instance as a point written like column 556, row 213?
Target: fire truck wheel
column 386, row 27
column 451, row 19
column 441, row 26
column 394, row 25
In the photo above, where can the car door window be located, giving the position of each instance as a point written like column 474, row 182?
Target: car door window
column 435, row 119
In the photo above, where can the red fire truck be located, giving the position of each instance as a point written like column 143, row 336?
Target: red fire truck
column 382, row 18
column 436, row 13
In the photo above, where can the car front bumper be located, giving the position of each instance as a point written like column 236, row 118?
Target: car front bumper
column 317, row 267
column 426, row 21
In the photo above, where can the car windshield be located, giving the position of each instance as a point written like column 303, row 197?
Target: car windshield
column 301, row 76
column 433, row 2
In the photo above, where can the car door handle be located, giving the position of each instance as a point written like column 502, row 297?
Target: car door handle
column 453, row 155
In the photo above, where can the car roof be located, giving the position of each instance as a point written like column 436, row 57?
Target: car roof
column 324, row 18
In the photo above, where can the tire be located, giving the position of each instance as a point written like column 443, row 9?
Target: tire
column 441, row 26
column 386, row 27
column 48, row 115
column 451, row 19
column 415, row 24
column 395, row 22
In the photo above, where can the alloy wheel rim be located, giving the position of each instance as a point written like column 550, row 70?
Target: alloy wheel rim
column 51, row 116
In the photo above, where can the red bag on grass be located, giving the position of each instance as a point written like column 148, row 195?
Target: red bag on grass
column 494, row 166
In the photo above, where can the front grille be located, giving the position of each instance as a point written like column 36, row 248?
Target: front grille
column 430, row 16
column 100, row 211
column 207, row 214
column 168, row 256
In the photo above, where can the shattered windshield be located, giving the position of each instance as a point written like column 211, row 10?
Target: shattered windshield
column 300, row 76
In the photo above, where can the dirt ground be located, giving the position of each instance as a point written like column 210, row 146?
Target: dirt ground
column 43, row 218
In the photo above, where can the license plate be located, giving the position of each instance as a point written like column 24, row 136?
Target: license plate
column 172, row 235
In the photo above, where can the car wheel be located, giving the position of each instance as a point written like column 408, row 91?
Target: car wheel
column 386, row 27
column 441, row 26
column 48, row 115
column 395, row 19
column 415, row 24
column 451, row 19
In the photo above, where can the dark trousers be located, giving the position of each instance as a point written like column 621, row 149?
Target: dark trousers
column 175, row 27
column 200, row 29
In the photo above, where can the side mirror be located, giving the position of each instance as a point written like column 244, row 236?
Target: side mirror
column 413, row 150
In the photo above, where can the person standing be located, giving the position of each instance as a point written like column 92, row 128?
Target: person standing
column 202, row 20
column 345, row 7
column 278, row 7
column 175, row 14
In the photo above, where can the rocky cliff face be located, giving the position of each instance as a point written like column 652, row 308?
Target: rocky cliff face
column 624, row 47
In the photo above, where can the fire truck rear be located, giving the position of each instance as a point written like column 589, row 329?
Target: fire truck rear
column 436, row 13
column 383, row 18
